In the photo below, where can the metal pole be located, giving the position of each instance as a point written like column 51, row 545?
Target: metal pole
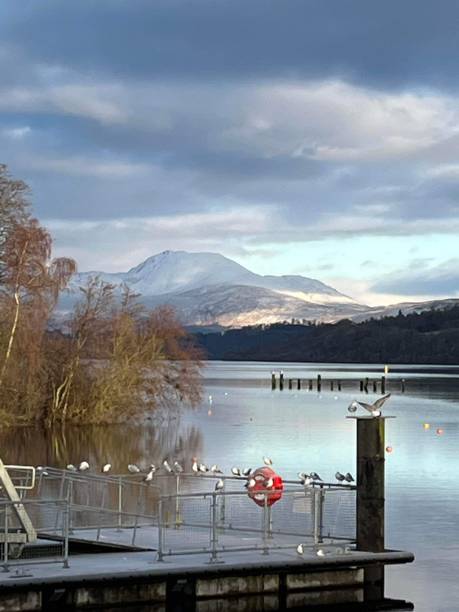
column 66, row 530
column 370, row 498
column 160, row 531
column 5, row 543
column 214, row 534
column 120, row 503
column 265, row 525
column 178, row 520
column 316, row 515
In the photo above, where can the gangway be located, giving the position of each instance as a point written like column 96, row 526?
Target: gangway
column 10, row 491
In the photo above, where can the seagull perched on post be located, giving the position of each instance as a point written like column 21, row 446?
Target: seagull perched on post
column 84, row 465
column 375, row 408
column 134, row 469
column 340, row 477
column 71, row 468
column 106, row 468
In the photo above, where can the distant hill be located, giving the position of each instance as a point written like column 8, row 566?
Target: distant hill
column 430, row 337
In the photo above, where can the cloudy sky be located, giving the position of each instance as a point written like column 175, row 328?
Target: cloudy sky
column 316, row 137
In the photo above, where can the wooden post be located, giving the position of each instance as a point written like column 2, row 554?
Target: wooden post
column 365, row 386
column 403, row 385
column 370, row 498
column 361, row 385
column 310, row 385
column 383, row 385
column 319, row 383
column 375, row 386
column 290, row 383
column 273, row 381
column 339, row 385
column 298, row 384
column 331, row 385
column 281, row 381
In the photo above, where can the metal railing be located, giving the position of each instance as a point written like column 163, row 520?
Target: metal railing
column 47, row 515
column 229, row 521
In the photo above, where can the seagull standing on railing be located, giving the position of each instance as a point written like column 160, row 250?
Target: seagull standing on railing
column 215, row 469
column 348, row 477
column 340, row 477
column 84, row 465
column 315, row 476
column 375, row 408
column 152, row 468
column 177, row 467
column 167, row 467
column 149, row 476
column 219, row 485
column 203, row 468
column 133, row 468
column 300, row 549
column 236, row 471
column 106, row 468
column 71, row 468
column 195, row 467
column 247, row 472
column 250, row 483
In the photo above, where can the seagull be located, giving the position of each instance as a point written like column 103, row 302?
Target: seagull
column 300, row 549
column 71, row 468
column 269, row 483
column 152, row 467
column 215, row 469
column 149, row 476
column 247, row 472
column 236, row 471
column 178, row 468
column 133, row 468
column 203, row 468
column 340, row 477
column 307, row 481
column 195, row 467
column 375, row 408
column 84, row 465
column 267, row 461
column 320, row 553
column 219, row 485
column 41, row 470
column 166, row 466
column 315, row 476
column 107, row 467
column 250, row 483
column 348, row 477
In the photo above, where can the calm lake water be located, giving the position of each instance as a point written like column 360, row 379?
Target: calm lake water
column 241, row 419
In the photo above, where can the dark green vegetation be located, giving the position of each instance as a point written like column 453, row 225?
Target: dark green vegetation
column 429, row 337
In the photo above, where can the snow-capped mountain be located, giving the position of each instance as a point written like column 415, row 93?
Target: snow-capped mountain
column 208, row 288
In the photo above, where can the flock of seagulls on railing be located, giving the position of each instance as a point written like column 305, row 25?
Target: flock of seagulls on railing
column 197, row 468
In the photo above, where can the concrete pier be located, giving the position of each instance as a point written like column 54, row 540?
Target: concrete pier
column 138, row 578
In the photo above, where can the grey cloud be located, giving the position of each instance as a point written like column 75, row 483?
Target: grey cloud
column 441, row 280
column 388, row 43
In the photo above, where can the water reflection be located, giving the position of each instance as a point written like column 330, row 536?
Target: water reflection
column 119, row 445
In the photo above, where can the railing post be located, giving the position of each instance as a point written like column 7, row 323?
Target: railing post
column 178, row 519
column 214, row 533
column 66, row 530
column 223, row 506
column 120, row 503
column 318, row 515
column 270, row 522
column 160, row 530
column 265, row 525
column 5, row 543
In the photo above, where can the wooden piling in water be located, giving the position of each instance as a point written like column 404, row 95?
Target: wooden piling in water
column 319, row 383
column 403, row 385
column 365, row 385
column 310, row 385
column 281, row 381
column 298, row 384
column 339, row 385
column 273, row 381
column 375, row 386
column 290, row 384
column 331, row 385
column 383, row 384
column 361, row 385
column 370, row 497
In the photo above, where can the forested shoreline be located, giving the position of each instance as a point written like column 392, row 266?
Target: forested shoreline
column 430, row 337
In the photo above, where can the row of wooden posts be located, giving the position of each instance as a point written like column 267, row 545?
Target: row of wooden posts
column 365, row 384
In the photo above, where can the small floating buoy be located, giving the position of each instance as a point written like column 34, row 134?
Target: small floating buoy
column 389, row 449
